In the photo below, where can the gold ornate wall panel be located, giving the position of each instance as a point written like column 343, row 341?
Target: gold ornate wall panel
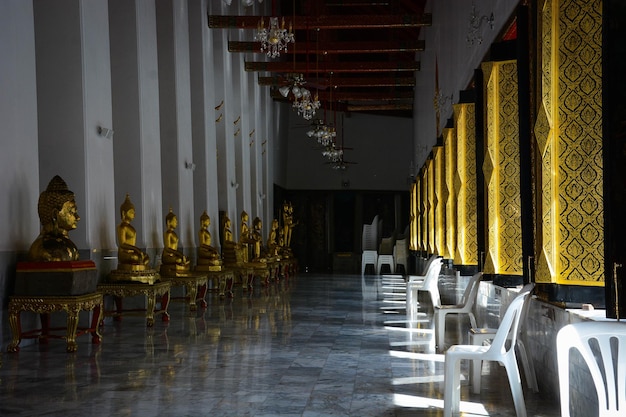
column 424, row 210
column 414, row 216
column 502, row 170
column 568, row 131
column 449, row 149
column 430, row 206
column 466, row 252
column 441, row 196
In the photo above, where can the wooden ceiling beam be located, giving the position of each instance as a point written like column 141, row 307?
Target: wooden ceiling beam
column 333, row 67
column 356, row 96
column 337, row 47
column 277, row 81
column 391, row 21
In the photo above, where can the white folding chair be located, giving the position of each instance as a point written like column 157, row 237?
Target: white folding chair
column 430, row 284
column 501, row 350
column 602, row 345
column 466, row 306
column 478, row 335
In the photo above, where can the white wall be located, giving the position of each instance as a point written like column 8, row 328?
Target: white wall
column 446, row 43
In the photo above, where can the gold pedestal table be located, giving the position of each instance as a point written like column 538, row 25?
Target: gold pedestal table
column 222, row 281
column 195, row 284
column 159, row 291
column 44, row 306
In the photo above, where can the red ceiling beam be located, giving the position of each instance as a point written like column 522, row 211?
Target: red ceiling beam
column 334, row 67
column 326, row 22
column 338, row 47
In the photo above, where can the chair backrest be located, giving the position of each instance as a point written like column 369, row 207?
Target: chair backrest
column 471, row 291
column 431, row 282
column 603, row 348
column 506, row 336
column 429, row 262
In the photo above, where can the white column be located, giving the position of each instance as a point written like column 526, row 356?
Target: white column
column 175, row 112
column 74, row 100
column 19, row 167
column 204, row 99
column 136, row 143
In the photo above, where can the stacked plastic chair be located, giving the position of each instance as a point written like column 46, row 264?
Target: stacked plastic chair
column 369, row 244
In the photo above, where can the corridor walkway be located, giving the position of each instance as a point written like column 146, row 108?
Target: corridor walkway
column 317, row 345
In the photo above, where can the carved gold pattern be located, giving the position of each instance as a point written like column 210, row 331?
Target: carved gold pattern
column 72, row 305
column 440, row 200
column 502, row 170
column 430, row 206
column 413, row 217
column 450, row 155
column 466, row 252
column 568, row 131
column 424, row 210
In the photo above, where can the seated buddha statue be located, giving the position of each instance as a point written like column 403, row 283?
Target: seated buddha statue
column 227, row 232
column 129, row 256
column 245, row 239
column 172, row 259
column 256, row 236
column 207, row 254
column 58, row 215
column 272, row 240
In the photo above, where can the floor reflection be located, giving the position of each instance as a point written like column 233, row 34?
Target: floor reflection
column 316, row 345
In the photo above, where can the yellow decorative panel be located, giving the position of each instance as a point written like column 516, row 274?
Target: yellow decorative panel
column 466, row 252
column 414, row 216
column 449, row 149
column 441, row 195
column 424, row 211
column 430, row 206
column 569, row 141
column 502, row 170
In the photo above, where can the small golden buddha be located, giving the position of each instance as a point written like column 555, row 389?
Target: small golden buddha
column 257, row 237
column 244, row 233
column 227, row 232
column 272, row 240
column 58, row 215
column 129, row 256
column 172, row 259
column 207, row 254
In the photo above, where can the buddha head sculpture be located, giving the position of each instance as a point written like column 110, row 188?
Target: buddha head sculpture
column 58, row 215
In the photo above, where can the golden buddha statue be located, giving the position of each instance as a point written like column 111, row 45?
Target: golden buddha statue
column 173, row 261
column 244, row 233
column 227, row 232
column 129, row 256
column 257, row 237
column 58, row 215
column 208, row 257
column 272, row 240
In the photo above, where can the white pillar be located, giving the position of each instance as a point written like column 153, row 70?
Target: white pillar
column 74, row 100
column 19, row 166
column 136, row 143
column 175, row 112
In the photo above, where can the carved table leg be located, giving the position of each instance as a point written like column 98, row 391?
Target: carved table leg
column 119, row 306
column 165, row 301
column 202, row 294
column 95, row 324
column 191, row 290
column 16, row 331
column 72, row 326
column 150, row 304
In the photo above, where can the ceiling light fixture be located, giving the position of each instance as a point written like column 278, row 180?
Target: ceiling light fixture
column 475, row 25
column 274, row 39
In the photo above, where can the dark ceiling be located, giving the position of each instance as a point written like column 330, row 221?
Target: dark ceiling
column 364, row 49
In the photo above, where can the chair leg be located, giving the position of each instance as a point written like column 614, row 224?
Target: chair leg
column 529, row 369
column 472, row 320
column 515, row 382
column 440, row 329
column 476, row 369
column 452, row 387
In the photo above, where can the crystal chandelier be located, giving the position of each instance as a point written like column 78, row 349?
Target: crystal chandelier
column 305, row 106
column 323, row 134
column 333, row 153
column 274, row 39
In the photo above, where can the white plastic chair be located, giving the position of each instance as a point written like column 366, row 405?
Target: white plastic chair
column 609, row 374
column 401, row 255
column 466, row 306
column 386, row 260
column 477, row 336
column 501, row 350
column 369, row 257
column 426, row 269
column 430, row 284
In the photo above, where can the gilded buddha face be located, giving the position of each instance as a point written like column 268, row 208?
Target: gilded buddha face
column 67, row 217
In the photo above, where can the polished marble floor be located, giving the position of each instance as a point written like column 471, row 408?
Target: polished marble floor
column 316, row 345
